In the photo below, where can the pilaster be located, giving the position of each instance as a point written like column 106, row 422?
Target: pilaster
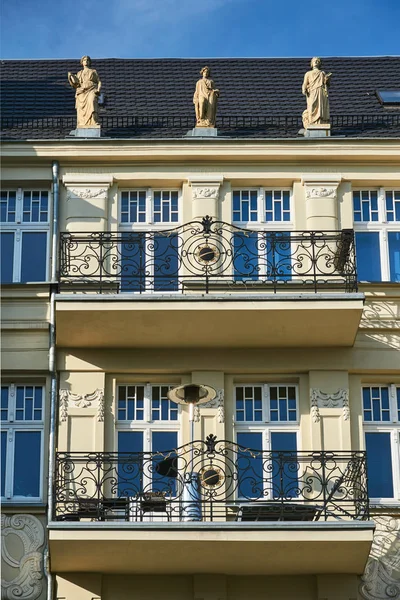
column 321, row 193
column 87, row 201
column 205, row 194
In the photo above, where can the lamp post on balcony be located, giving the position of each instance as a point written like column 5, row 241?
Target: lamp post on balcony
column 192, row 394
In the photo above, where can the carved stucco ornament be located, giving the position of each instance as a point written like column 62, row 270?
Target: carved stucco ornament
column 321, row 192
column 206, row 192
column 217, row 403
column 86, row 193
column 381, row 579
column 68, row 399
column 28, row 584
column 320, row 399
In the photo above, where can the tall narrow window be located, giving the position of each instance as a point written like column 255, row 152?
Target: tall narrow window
column 266, row 423
column 22, row 408
column 381, row 415
column 377, row 234
column 24, row 236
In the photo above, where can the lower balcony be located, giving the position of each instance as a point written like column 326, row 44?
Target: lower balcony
column 264, row 512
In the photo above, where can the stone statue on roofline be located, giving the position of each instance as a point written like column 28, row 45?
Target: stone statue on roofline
column 87, row 85
column 315, row 88
column 205, row 100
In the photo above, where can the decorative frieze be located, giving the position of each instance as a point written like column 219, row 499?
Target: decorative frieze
column 217, row 403
column 206, row 192
column 381, row 579
column 320, row 399
column 28, row 582
column 321, row 192
column 86, row 193
column 70, row 400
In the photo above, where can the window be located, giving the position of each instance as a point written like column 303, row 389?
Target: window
column 381, row 415
column 22, row 408
column 149, row 251
column 377, row 234
column 389, row 97
column 146, row 422
column 266, row 419
column 265, row 251
column 145, row 207
column 261, row 206
column 24, row 238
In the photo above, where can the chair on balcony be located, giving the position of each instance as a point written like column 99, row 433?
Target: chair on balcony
column 275, row 511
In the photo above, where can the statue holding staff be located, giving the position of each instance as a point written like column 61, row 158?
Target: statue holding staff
column 87, row 85
column 205, row 100
column 315, row 88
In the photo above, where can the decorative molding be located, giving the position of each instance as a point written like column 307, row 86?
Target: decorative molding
column 28, row 584
column 86, row 193
column 321, row 192
column 217, row 403
column 200, row 193
column 320, row 399
column 70, row 400
column 381, row 579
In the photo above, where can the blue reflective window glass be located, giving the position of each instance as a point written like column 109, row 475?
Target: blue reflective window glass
column 4, row 403
column 245, row 260
column 236, row 206
column 133, row 262
column 130, row 466
column 34, row 256
column 166, row 262
column 357, row 206
column 250, row 465
column 278, row 255
column 3, row 461
column 27, row 464
column 124, row 207
column 367, row 405
column 7, row 256
column 394, row 255
column 398, row 403
column 379, row 464
column 166, row 466
column 284, row 464
column 368, row 256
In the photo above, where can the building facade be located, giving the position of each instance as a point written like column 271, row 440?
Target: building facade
column 259, row 262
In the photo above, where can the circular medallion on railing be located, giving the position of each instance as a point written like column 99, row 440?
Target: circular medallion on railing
column 211, row 477
column 207, row 254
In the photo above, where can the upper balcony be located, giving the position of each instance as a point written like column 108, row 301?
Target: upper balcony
column 156, row 512
column 220, row 284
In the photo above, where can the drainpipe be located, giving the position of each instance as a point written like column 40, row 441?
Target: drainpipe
column 52, row 366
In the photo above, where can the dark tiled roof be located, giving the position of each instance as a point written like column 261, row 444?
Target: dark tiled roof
column 34, row 92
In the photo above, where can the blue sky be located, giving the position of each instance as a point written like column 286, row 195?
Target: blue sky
column 198, row 28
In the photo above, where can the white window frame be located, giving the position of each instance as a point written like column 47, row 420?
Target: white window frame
column 147, row 425
column 19, row 227
column 261, row 224
column 392, row 427
column 265, row 394
column 149, row 224
column 150, row 227
column 11, row 426
column 382, row 226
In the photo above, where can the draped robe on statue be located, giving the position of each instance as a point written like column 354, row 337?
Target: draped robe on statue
column 316, row 91
column 86, row 99
column 205, row 100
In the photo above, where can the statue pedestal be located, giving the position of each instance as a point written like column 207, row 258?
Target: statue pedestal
column 323, row 130
column 87, row 132
column 203, row 132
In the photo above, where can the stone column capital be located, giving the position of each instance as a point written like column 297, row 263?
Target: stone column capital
column 87, row 187
column 321, row 186
column 206, row 188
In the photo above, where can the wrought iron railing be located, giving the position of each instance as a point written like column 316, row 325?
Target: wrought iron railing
column 116, row 124
column 211, row 481
column 207, row 256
